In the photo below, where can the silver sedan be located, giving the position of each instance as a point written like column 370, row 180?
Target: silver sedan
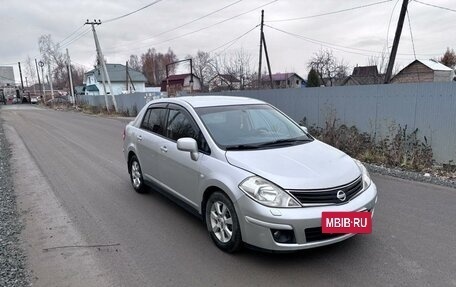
column 253, row 174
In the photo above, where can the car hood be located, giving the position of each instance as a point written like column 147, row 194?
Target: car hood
column 311, row 165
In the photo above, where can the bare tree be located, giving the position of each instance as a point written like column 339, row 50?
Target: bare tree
column 30, row 70
column 78, row 75
column 328, row 67
column 154, row 65
column 237, row 64
column 202, row 67
column 135, row 63
column 51, row 54
column 449, row 58
column 381, row 61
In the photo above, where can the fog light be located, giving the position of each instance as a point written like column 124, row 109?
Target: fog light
column 283, row 236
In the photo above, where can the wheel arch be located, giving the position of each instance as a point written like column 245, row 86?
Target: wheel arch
column 207, row 194
column 130, row 155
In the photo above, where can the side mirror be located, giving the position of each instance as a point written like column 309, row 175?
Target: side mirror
column 304, row 129
column 190, row 145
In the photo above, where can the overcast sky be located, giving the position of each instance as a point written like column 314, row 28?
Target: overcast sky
column 354, row 35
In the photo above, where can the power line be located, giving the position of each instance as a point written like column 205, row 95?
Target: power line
column 389, row 26
column 232, row 42
column 79, row 36
column 71, row 34
column 411, row 34
column 435, row 6
column 330, row 13
column 329, row 45
column 6, row 78
column 183, row 25
column 207, row 27
column 135, row 11
column 335, row 46
column 197, row 19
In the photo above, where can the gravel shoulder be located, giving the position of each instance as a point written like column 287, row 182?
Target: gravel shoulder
column 411, row 175
column 57, row 254
column 12, row 259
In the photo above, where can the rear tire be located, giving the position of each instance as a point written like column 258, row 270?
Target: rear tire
column 222, row 223
column 136, row 176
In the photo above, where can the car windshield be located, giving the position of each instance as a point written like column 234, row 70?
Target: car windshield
column 250, row 127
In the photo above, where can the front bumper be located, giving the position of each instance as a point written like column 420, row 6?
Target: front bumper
column 256, row 221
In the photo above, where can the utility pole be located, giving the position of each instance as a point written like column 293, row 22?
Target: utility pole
column 97, row 68
column 101, row 59
column 191, row 76
column 71, row 77
column 20, row 73
column 397, row 37
column 41, row 64
column 267, row 61
column 261, row 49
column 131, row 80
column 263, row 45
column 50, row 82
column 39, row 81
column 126, row 77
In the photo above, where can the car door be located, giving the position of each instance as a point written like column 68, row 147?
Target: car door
column 180, row 173
column 149, row 139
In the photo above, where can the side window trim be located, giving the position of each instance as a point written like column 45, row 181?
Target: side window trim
column 183, row 110
column 147, row 115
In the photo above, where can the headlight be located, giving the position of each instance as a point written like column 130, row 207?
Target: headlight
column 267, row 193
column 365, row 174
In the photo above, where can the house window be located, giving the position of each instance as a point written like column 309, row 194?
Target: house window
column 288, row 82
column 297, row 82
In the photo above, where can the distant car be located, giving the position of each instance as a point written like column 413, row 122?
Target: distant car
column 33, row 100
column 253, row 174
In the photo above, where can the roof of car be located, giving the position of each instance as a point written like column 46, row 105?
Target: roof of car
column 211, row 101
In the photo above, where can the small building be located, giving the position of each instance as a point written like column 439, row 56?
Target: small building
column 224, row 82
column 175, row 84
column 420, row 71
column 284, row 80
column 7, row 76
column 364, row 75
column 121, row 83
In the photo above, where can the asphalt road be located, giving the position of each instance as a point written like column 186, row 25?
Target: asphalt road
column 413, row 241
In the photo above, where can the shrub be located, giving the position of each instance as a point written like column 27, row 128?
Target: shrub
column 400, row 148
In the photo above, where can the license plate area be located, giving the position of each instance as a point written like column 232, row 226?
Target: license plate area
column 333, row 222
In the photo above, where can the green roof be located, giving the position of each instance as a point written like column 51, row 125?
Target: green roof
column 92, row 88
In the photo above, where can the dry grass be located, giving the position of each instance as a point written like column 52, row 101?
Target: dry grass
column 401, row 148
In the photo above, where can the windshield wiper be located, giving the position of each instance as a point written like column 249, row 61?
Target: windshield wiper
column 242, row 147
column 268, row 144
column 285, row 141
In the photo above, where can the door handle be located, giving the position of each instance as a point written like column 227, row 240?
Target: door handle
column 164, row 149
column 139, row 137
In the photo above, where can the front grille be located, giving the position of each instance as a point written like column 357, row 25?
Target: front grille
column 314, row 234
column 328, row 195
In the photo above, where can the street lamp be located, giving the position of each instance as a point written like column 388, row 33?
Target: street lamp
column 41, row 64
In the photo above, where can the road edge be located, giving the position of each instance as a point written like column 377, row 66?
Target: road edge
column 55, row 249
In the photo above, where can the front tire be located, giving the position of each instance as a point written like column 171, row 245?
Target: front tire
column 136, row 176
column 222, row 223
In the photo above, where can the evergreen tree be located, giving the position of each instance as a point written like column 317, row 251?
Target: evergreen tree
column 313, row 79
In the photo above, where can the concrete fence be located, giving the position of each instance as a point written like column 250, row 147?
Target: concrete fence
column 430, row 107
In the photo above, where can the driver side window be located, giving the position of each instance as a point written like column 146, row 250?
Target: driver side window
column 181, row 125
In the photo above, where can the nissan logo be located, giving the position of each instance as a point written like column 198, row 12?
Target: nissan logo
column 341, row 195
